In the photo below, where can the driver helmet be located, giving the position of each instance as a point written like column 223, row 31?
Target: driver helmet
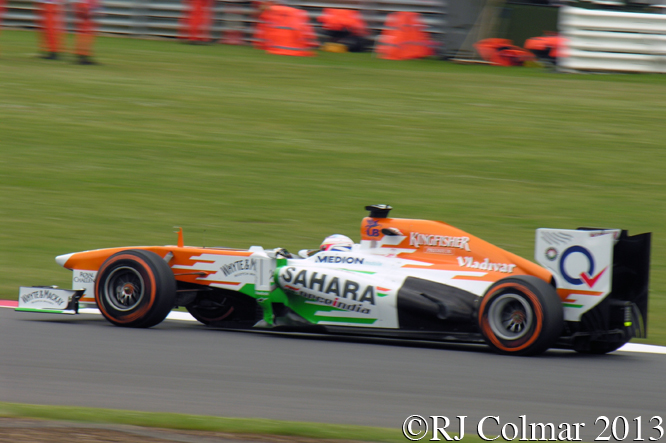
column 337, row 242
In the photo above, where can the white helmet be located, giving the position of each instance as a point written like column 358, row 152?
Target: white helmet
column 337, row 242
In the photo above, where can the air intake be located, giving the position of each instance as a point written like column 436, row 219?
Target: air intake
column 379, row 211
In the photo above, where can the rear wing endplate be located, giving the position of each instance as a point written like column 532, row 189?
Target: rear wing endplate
column 593, row 265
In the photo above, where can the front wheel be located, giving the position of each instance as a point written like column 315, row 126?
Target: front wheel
column 521, row 315
column 135, row 288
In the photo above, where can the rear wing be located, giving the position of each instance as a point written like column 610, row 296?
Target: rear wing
column 597, row 270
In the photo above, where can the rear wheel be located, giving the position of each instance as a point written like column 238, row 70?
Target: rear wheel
column 521, row 316
column 135, row 288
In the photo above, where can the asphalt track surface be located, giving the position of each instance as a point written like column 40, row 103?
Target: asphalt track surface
column 185, row 367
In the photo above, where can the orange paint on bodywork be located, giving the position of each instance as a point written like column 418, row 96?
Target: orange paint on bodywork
column 443, row 247
column 182, row 255
column 565, row 293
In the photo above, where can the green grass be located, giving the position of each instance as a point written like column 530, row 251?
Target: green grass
column 240, row 147
column 255, row 426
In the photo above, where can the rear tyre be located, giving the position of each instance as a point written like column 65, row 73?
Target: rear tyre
column 521, row 315
column 135, row 288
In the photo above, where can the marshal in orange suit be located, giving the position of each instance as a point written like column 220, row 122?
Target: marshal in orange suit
column 51, row 27
column 84, row 22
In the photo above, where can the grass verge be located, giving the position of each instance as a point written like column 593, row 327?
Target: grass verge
column 204, row 423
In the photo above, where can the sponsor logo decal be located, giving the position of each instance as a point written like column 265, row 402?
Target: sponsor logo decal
column 614, row 233
column 382, row 292
column 339, row 259
column 248, row 266
column 372, row 228
column 329, row 287
column 585, row 277
column 336, row 303
column 84, row 277
column 44, row 295
column 445, row 251
column 551, row 254
column 485, row 265
column 556, row 238
column 344, row 260
column 416, row 240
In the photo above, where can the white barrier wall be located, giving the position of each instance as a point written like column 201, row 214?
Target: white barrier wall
column 600, row 40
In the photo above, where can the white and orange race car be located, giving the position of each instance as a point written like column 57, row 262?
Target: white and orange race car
column 410, row 279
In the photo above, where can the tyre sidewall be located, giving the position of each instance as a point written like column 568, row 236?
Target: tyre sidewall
column 547, row 315
column 159, row 288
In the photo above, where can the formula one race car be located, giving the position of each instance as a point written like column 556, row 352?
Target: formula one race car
column 410, row 279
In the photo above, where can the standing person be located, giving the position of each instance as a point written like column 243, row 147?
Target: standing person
column 84, row 15
column 195, row 24
column 51, row 26
column 2, row 12
column 205, row 16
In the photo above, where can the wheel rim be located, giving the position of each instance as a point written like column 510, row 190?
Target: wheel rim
column 510, row 317
column 124, row 288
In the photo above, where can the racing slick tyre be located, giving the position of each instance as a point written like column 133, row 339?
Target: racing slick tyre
column 521, row 315
column 135, row 288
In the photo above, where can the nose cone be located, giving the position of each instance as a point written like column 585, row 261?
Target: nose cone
column 62, row 259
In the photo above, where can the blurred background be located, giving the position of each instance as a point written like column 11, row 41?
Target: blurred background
column 240, row 146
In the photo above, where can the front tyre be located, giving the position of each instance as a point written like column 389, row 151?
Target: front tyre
column 135, row 288
column 521, row 315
